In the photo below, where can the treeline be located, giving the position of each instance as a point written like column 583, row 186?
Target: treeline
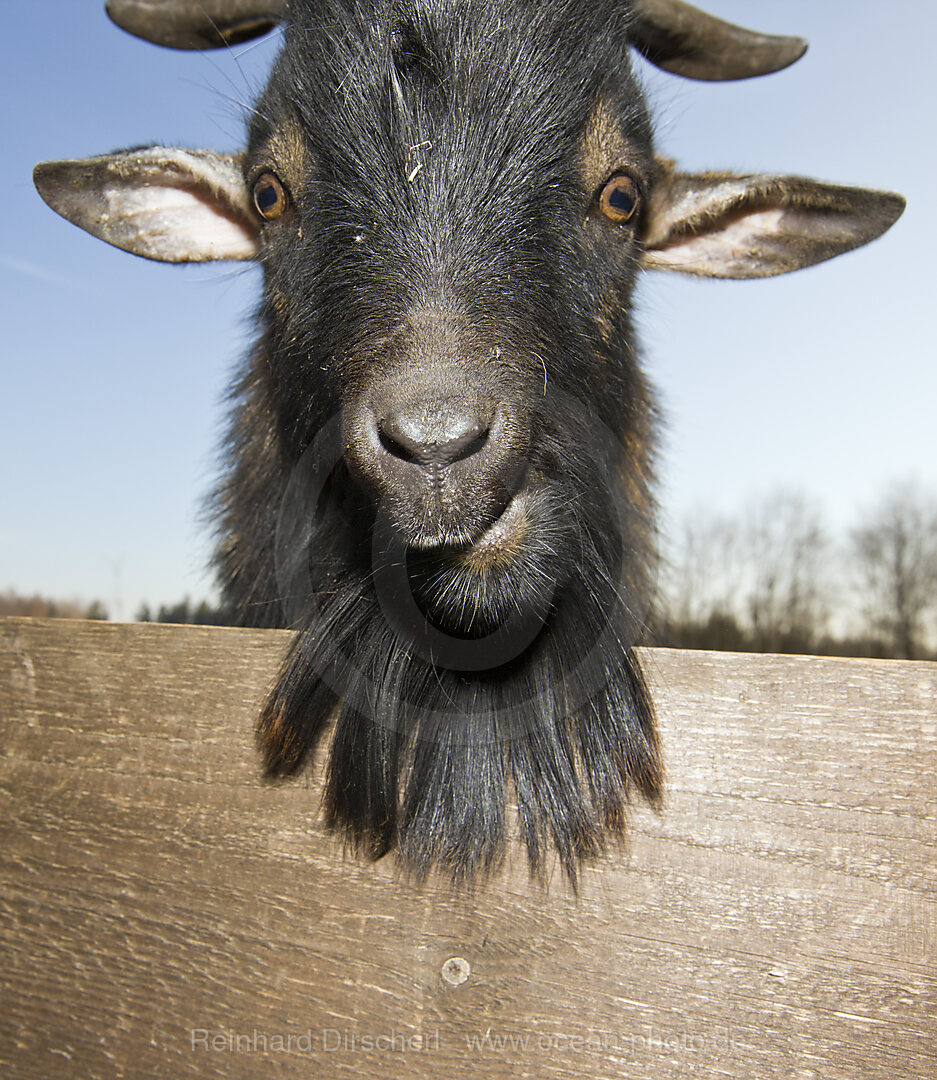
column 769, row 579
column 38, row 607
column 186, row 611
column 773, row 579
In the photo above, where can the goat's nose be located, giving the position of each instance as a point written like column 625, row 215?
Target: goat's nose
column 433, row 437
column 442, row 466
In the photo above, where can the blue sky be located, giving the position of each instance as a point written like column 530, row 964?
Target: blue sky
column 114, row 369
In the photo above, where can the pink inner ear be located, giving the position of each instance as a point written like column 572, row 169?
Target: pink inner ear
column 178, row 225
column 734, row 244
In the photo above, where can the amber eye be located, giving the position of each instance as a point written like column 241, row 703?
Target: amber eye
column 619, row 199
column 270, row 196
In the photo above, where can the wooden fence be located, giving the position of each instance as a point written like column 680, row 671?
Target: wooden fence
column 166, row 913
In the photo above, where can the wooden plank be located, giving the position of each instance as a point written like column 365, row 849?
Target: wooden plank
column 166, row 913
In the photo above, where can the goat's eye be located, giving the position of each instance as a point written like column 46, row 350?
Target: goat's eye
column 270, row 197
column 619, row 199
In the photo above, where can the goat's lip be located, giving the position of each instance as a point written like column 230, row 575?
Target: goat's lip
column 497, row 543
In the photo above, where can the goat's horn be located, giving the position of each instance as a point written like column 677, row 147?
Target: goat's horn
column 686, row 41
column 672, row 34
column 197, row 24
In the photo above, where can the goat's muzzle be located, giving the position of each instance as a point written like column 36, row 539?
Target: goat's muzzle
column 441, row 460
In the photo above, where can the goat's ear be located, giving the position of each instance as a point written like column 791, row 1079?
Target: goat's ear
column 726, row 226
column 166, row 204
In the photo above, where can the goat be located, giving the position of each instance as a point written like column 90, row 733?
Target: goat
column 441, row 449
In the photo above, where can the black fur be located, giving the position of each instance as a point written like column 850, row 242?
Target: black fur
column 436, row 166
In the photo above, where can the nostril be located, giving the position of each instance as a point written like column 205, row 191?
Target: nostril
column 397, row 447
column 432, row 442
column 470, row 444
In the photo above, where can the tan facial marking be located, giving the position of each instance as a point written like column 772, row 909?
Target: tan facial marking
column 656, row 224
column 500, row 545
column 604, row 148
column 287, row 156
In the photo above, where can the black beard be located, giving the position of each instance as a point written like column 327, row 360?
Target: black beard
column 430, row 729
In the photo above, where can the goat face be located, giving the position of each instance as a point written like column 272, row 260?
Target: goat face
column 441, row 450
column 439, row 271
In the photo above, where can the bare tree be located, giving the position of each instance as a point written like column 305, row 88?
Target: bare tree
column 895, row 552
column 787, row 567
column 700, row 577
column 758, row 581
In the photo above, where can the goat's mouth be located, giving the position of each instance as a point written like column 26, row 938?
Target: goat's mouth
column 487, row 546
column 454, row 523
column 508, row 574
column 503, row 541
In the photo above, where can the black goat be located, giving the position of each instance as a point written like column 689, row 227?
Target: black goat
column 441, row 447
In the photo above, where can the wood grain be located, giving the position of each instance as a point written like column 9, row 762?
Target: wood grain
column 164, row 912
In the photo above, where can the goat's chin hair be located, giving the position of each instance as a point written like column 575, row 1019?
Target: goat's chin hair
column 423, row 759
